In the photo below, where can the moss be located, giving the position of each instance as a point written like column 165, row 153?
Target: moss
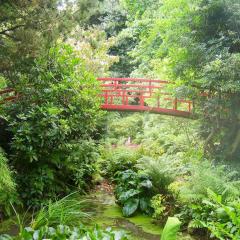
column 113, row 211
column 108, row 215
column 111, row 215
column 146, row 224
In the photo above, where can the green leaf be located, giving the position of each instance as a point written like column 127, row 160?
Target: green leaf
column 126, row 195
column 144, row 204
column 146, row 183
column 171, row 229
column 130, row 207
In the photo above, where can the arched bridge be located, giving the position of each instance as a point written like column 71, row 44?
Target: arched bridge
column 142, row 95
column 133, row 94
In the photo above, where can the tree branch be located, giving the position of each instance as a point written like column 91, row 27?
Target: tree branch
column 12, row 28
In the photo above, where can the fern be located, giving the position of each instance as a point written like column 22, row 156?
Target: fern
column 6, row 182
column 196, row 224
column 161, row 173
column 207, row 176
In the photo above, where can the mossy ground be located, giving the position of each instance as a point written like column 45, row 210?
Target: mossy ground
column 108, row 213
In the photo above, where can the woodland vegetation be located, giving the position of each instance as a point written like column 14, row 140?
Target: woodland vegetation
column 56, row 145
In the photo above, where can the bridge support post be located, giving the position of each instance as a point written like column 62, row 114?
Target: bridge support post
column 175, row 102
column 141, row 100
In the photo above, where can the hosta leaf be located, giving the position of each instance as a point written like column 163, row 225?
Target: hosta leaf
column 130, row 207
column 144, row 204
column 171, row 229
column 5, row 237
column 126, row 195
column 146, row 183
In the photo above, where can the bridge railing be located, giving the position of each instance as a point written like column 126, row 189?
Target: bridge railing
column 7, row 95
column 141, row 95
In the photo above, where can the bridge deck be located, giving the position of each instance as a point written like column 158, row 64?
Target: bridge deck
column 142, row 95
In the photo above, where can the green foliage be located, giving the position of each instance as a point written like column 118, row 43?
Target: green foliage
column 6, row 181
column 28, row 29
column 63, row 232
column 52, row 124
column 93, row 46
column 117, row 160
column 158, row 204
column 168, row 137
column 195, row 45
column 208, row 176
column 8, row 193
column 133, row 192
column 221, row 219
column 171, row 229
column 161, row 172
column 124, row 127
column 68, row 210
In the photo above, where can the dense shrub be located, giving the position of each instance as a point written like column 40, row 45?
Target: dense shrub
column 6, row 181
column 205, row 175
column 207, row 196
column 113, row 160
column 221, row 219
column 7, row 186
column 133, row 192
column 161, row 172
column 51, row 123
column 124, row 127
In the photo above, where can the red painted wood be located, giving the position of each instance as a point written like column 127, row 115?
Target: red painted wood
column 5, row 97
column 133, row 80
column 137, row 108
column 130, row 94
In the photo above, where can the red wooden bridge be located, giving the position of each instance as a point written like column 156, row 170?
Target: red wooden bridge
column 142, row 95
column 133, row 94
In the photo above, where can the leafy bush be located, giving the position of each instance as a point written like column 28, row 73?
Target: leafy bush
column 124, row 127
column 76, row 168
column 161, row 172
column 6, row 180
column 158, row 203
column 115, row 160
column 162, row 136
column 133, row 192
column 221, row 219
column 205, row 176
column 51, row 124
column 8, row 193
column 63, row 232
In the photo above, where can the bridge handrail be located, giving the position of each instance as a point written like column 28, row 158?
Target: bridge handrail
column 133, row 80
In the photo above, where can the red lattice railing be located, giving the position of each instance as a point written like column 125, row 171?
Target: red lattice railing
column 137, row 94
column 7, row 95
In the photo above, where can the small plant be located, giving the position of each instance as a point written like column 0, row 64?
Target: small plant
column 221, row 219
column 68, row 210
column 8, row 193
column 160, row 171
column 133, row 192
column 158, row 204
column 114, row 160
column 63, row 232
